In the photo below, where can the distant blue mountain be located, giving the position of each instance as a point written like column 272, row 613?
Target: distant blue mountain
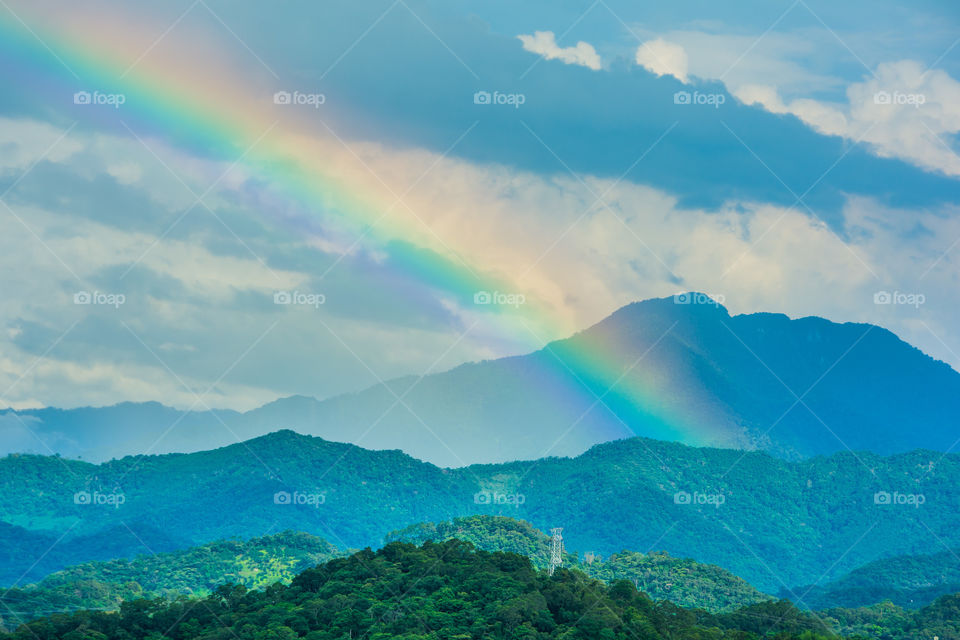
column 909, row 581
column 27, row 555
column 793, row 387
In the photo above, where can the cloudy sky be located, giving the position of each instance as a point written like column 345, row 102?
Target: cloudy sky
column 172, row 173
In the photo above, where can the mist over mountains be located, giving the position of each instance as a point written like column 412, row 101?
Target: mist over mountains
column 793, row 387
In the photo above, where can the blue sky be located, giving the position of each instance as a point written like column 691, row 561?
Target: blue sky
column 819, row 169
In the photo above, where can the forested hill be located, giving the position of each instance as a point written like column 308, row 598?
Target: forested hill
column 716, row 504
column 438, row 591
column 260, row 562
column 449, row 590
column 255, row 564
column 661, row 576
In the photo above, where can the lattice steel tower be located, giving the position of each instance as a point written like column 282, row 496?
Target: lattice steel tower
column 556, row 549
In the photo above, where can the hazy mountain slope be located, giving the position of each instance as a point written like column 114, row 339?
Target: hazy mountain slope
column 685, row 372
column 633, row 494
column 197, row 571
column 27, row 556
column 910, row 581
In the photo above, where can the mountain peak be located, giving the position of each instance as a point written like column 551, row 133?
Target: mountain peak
column 684, row 303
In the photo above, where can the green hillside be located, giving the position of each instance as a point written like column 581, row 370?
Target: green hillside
column 260, row 562
column 254, row 564
column 659, row 575
column 886, row 621
column 438, row 591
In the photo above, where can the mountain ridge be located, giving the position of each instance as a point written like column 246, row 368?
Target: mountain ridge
column 698, row 496
column 794, row 387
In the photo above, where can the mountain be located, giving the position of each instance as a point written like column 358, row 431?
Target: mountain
column 659, row 575
column 770, row 521
column 661, row 368
column 197, row 571
column 909, row 581
column 446, row 590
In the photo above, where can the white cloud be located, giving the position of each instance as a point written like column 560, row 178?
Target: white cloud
column 125, row 172
column 544, row 43
column 790, row 60
column 782, row 71
column 904, row 111
column 663, row 58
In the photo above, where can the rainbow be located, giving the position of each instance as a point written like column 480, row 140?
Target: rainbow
column 213, row 115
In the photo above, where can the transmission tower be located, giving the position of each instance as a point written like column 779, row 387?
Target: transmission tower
column 556, row 549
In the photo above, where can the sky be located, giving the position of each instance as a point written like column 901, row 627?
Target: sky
column 214, row 203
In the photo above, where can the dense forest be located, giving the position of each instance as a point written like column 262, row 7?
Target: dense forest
column 886, row 621
column 262, row 561
column 269, row 588
column 451, row 590
column 439, row 590
column 658, row 574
